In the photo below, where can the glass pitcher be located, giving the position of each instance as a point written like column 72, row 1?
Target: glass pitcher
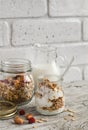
column 45, row 62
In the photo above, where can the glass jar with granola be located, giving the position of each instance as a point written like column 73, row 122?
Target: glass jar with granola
column 17, row 84
column 49, row 95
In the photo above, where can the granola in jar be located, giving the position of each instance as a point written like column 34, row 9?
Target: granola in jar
column 49, row 96
column 17, row 84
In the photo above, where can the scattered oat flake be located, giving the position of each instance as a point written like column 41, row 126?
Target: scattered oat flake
column 68, row 118
column 45, row 120
column 69, row 110
column 71, row 114
column 39, row 121
column 73, row 119
column 34, row 126
column 65, row 109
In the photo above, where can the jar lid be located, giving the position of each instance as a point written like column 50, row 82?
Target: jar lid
column 7, row 109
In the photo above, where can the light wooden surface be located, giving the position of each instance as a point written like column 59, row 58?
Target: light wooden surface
column 76, row 96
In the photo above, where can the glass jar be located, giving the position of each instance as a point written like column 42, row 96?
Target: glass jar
column 49, row 95
column 17, row 83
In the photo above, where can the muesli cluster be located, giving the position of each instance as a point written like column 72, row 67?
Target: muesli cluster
column 17, row 89
column 49, row 98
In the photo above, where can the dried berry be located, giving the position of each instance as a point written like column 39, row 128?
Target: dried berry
column 6, row 81
column 31, row 120
column 22, row 112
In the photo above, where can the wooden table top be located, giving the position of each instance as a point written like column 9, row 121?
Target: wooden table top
column 76, row 97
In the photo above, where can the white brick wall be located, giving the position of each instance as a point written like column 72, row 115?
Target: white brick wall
column 86, row 73
column 85, row 29
column 74, row 74
column 45, row 31
column 58, row 24
column 68, row 8
column 78, row 50
column 22, row 8
column 4, row 34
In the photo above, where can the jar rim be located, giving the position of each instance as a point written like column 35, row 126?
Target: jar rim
column 52, row 78
column 16, row 65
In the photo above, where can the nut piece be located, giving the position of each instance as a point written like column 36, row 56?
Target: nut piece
column 18, row 120
column 28, row 116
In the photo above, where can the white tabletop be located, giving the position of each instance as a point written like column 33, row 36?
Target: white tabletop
column 76, row 96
